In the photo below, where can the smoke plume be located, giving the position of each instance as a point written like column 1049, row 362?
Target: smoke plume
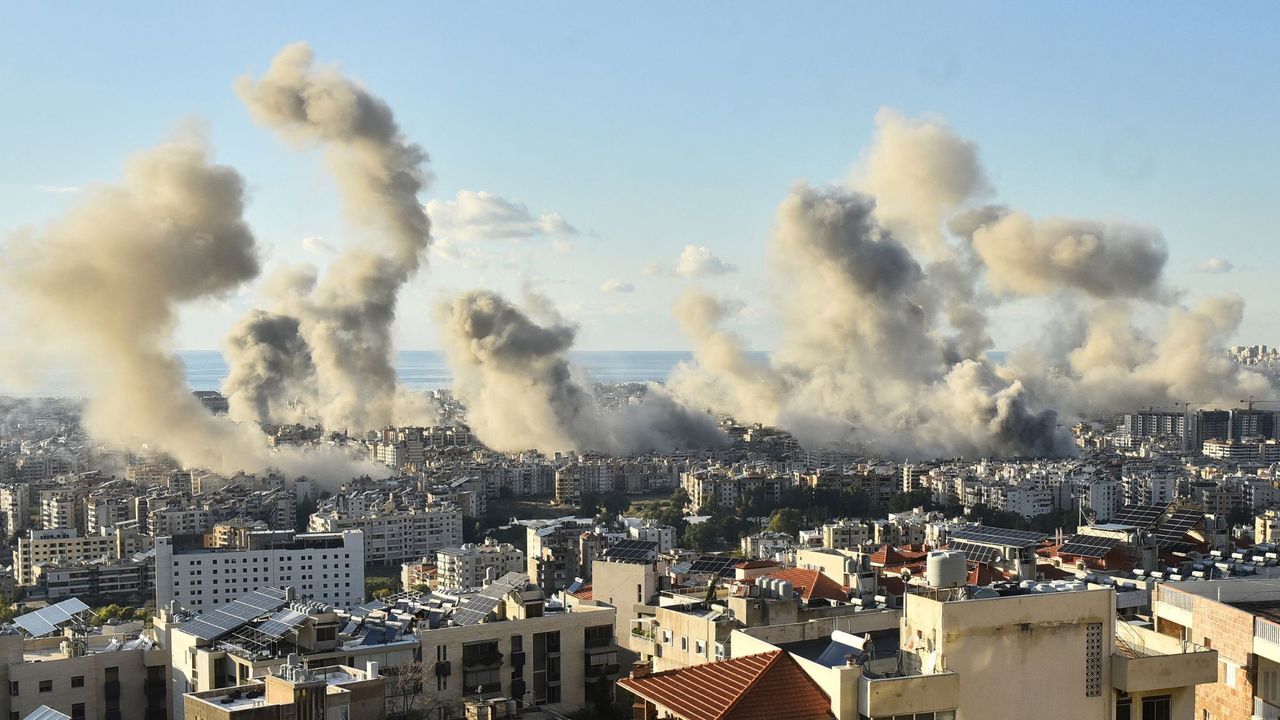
column 884, row 294
column 103, row 286
column 346, row 319
column 514, row 377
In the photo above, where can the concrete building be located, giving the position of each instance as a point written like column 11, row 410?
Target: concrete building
column 324, row 567
column 517, row 646
column 294, row 692
column 1058, row 654
column 63, row 546
column 554, row 551
column 1243, row 451
column 117, row 673
column 1240, row 619
column 846, row 533
column 1266, row 527
column 474, row 566
column 393, row 536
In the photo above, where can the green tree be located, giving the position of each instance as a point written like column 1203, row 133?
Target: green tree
column 786, row 520
column 701, row 536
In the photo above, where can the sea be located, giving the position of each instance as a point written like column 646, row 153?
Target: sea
column 417, row 369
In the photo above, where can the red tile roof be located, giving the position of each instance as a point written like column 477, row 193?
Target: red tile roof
column 755, row 564
column 756, row 687
column 811, row 584
column 584, row 592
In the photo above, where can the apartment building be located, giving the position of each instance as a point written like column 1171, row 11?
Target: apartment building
column 554, row 551
column 391, row 537
column 505, row 641
column 116, row 674
column 15, row 499
column 292, row 691
column 473, row 566
column 63, row 546
column 953, row 656
column 324, row 567
column 1240, row 619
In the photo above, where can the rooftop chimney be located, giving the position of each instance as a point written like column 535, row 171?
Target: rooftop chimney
column 640, row 669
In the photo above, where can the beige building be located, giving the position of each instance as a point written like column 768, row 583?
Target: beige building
column 1042, row 654
column 393, row 536
column 61, row 546
column 120, row 674
column 1266, row 527
column 475, row 565
column 296, row 693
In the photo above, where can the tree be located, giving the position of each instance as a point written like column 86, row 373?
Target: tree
column 700, row 536
column 786, row 520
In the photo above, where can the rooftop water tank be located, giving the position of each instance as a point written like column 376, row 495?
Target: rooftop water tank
column 946, row 568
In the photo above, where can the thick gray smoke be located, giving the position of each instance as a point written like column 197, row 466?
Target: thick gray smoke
column 271, row 376
column 882, row 350
column 514, row 377
column 102, row 287
column 346, row 319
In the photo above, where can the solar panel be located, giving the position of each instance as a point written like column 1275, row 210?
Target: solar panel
column 280, row 624
column 220, row 621
column 44, row 712
column 975, row 553
column 477, row 609
column 1173, row 544
column 998, row 536
column 1142, row 516
column 47, row 620
column 632, row 551
column 1090, row 546
column 1179, row 524
column 714, row 565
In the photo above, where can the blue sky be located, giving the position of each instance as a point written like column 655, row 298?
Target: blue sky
column 651, row 127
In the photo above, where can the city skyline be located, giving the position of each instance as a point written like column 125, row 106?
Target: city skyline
column 578, row 184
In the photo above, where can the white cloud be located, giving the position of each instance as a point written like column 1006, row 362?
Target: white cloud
column 654, row 268
column 478, row 215
column 58, row 189
column 318, row 245
column 699, row 261
column 561, row 246
column 1214, row 265
column 616, row 286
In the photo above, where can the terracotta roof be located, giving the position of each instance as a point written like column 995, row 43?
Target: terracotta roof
column 887, row 555
column 811, row 584
column 755, row 564
column 756, row 687
column 583, row 593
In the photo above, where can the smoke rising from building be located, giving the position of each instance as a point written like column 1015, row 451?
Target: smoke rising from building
column 103, row 285
column 346, row 319
column 514, row 377
column 884, row 291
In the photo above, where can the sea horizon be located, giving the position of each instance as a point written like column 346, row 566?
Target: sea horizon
column 422, row 369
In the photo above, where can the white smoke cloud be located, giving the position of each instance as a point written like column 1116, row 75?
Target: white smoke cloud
column 318, row 245
column 474, row 215
column 699, row 261
column 58, row 189
column 613, row 285
column 1214, row 266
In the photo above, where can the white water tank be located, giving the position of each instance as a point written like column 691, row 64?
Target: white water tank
column 785, row 590
column 946, row 568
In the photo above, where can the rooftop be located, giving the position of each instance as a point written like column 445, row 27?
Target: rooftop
column 755, row 687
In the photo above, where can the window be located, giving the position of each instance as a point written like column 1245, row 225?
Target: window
column 699, row 648
column 666, row 637
column 684, row 643
column 13, row 688
column 77, row 681
column 77, row 711
column 46, row 686
column 1159, row 707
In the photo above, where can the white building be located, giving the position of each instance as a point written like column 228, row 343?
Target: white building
column 396, row 536
column 325, row 567
column 473, row 566
column 60, row 545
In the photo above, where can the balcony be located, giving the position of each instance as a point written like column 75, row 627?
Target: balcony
column 1263, row 710
column 154, row 688
column 111, row 690
column 1144, row 661
column 908, row 694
